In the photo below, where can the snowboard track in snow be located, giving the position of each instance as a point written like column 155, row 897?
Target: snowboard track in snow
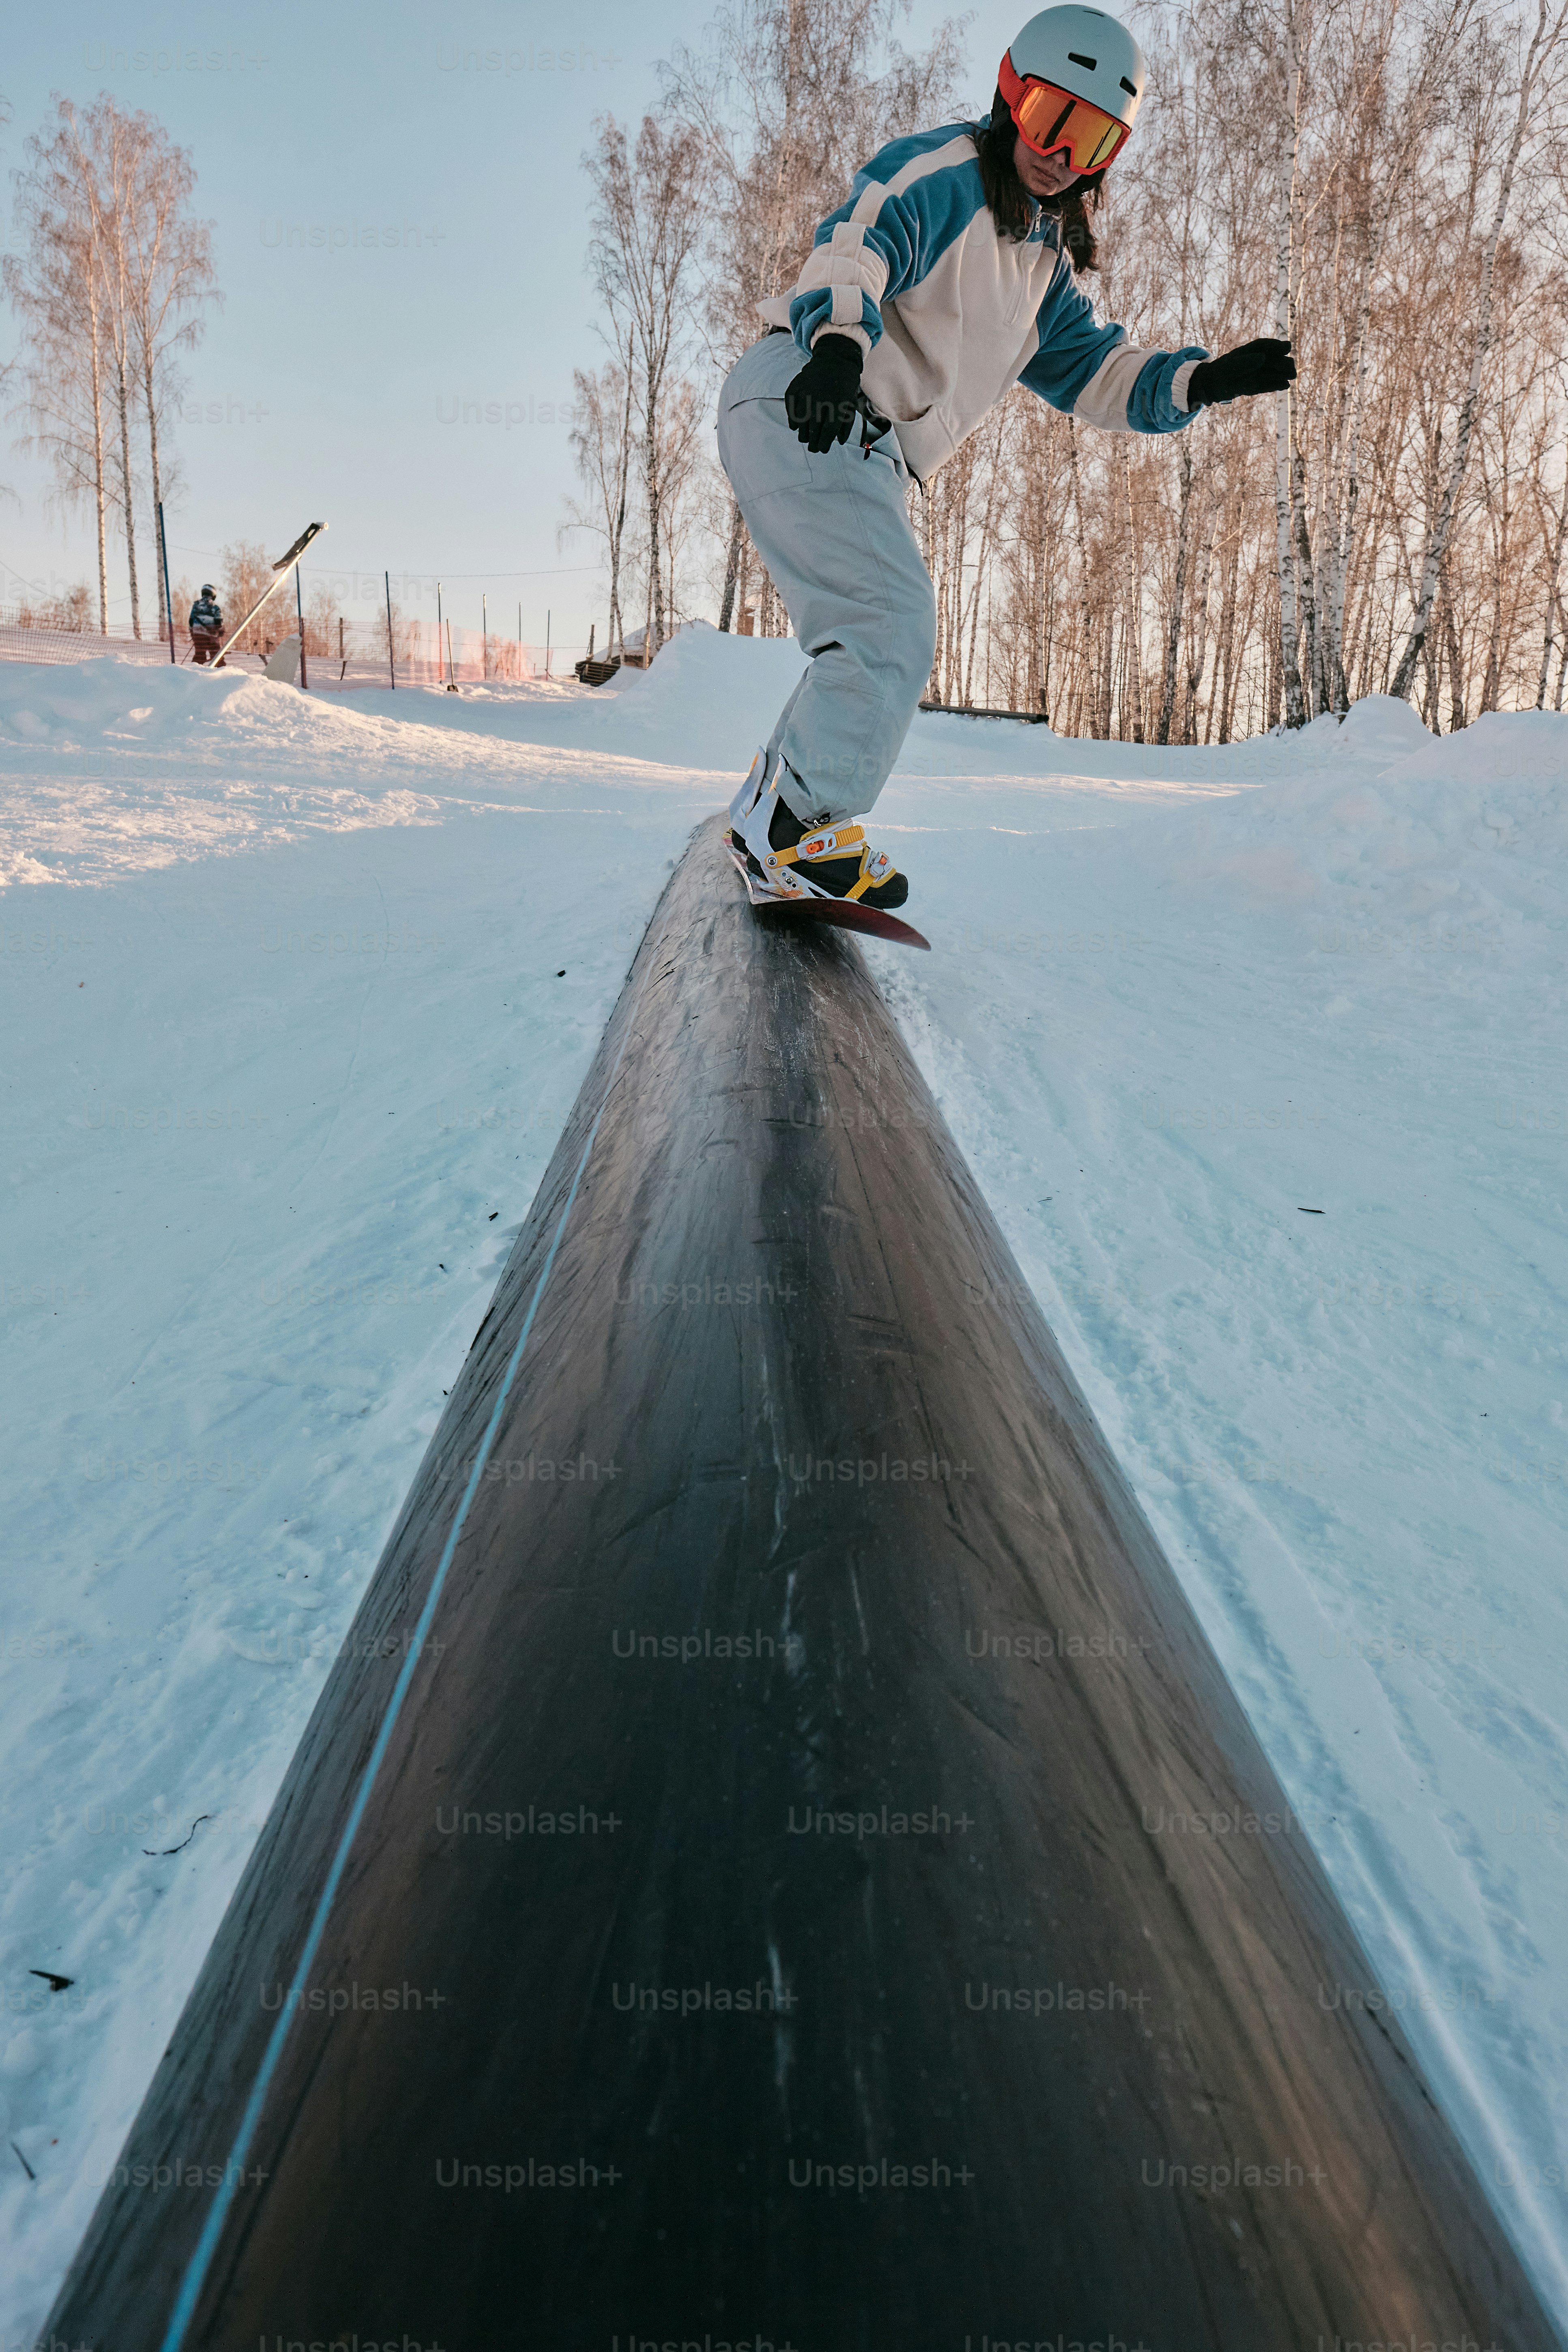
column 773, row 1743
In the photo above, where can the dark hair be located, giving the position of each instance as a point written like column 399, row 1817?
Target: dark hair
column 1011, row 206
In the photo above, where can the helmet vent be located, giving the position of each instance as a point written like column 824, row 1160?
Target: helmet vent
column 1129, row 87
column 1073, row 59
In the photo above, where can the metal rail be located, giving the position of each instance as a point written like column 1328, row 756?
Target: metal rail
column 780, row 1865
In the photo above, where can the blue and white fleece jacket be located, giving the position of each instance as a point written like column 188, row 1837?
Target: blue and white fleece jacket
column 949, row 314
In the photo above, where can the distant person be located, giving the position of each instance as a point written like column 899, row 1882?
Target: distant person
column 207, row 625
column 952, row 272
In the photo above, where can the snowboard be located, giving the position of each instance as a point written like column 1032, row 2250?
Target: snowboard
column 840, row 914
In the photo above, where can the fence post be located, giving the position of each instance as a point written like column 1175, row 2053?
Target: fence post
column 168, row 602
column 391, row 654
column 300, row 611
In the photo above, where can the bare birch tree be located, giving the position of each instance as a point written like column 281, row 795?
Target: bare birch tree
column 108, row 284
column 169, row 276
column 648, row 224
column 602, row 445
column 102, row 152
column 1544, row 41
column 57, row 294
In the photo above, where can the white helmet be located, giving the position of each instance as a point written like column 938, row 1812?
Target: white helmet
column 1084, row 51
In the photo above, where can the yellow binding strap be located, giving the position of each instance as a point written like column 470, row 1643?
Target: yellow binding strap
column 848, row 837
column 864, row 883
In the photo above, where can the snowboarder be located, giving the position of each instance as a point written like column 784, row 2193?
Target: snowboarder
column 207, row 625
column 952, row 273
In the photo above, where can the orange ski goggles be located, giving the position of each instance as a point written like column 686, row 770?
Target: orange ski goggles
column 1048, row 119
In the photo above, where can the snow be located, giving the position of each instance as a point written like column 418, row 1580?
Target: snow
column 299, row 993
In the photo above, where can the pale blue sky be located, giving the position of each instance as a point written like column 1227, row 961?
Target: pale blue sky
column 336, row 367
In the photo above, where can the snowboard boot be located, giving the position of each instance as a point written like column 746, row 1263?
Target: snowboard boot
column 791, row 859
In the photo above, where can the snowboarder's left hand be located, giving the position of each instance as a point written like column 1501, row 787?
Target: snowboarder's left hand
column 1263, row 365
column 820, row 401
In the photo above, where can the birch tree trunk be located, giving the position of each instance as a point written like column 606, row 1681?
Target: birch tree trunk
column 1289, row 141
column 1341, row 545
column 618, row 645
column 1034, row 557
column 1235, row 681
column 732, row 568
column 1313, row 696
column 927, row 522
column 651, row 471
column 165, row 619
column 99, row 486
column 993, row 484
column 1432, row 703
column 1090, row 671
column 122, row 395
column 1198, row 653
column 1225, row 653
column 1457, row 719
column 1132, row 646
column 1178, row 593
column 1554, row 575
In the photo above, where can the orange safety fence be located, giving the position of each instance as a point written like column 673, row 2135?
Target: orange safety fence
column 355, row 655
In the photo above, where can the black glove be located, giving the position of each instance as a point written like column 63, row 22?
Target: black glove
column 820, row 403
column 1262, row 365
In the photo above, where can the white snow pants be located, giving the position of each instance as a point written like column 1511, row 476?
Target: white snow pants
column 836, row 537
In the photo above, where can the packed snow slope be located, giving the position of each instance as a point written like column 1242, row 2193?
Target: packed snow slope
column 1257, row 1052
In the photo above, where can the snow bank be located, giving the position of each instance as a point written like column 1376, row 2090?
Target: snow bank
column 1397, row 823
column 707, row 701
column 300, row 990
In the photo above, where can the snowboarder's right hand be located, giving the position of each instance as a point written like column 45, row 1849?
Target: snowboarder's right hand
column 1263, row 365
column 820, row 403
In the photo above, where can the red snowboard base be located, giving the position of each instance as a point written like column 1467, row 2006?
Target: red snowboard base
column 843, row 914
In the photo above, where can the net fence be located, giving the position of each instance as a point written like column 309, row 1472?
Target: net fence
column 342, row 653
